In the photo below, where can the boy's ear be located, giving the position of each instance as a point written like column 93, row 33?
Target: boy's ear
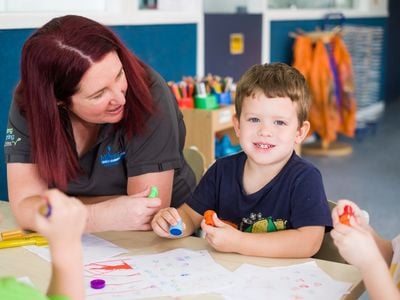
column 236, row 125
column 302, row 132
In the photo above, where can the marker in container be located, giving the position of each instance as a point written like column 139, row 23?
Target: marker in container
column 97, row 284
column 176, row 229
column 208, row 217
column 24, row 241
column 45, row 210
column 18, row 237
column 153, row 192
column 12, row 234
column 344, row 218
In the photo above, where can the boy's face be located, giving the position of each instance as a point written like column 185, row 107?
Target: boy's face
column 268, row 128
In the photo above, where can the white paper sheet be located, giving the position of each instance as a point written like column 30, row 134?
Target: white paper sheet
column 172, row 273
column 94, row 249
column 301, row 281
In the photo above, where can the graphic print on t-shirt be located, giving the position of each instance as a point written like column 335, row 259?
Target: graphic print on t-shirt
column 255, row 222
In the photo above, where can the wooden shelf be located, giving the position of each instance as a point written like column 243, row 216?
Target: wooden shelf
column 333, row 149
column 202, row 125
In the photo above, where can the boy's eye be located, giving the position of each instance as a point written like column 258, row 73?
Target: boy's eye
column 279, row 122
column 254, row 120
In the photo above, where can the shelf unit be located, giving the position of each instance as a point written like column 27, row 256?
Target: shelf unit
column 203, row 125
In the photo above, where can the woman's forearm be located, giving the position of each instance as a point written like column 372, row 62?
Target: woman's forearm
column 101, row 217
column 133, row 212
column 23, row 210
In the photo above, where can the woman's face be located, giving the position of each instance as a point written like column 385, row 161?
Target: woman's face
column 101, row 95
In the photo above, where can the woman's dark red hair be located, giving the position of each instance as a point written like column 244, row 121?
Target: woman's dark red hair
column 53, row 61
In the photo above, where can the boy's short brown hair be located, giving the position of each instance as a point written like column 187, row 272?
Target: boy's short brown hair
column 275, row 80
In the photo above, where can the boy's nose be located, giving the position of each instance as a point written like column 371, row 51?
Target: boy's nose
column 265, row 131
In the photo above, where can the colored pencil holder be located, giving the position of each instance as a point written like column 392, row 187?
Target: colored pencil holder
column 187, row 102
column 224, row 98
column 208, row 102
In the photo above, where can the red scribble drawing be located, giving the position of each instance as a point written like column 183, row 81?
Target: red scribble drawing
column 107, row 267
column 123, row 266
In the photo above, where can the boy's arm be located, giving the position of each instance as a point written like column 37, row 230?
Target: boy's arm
column 190, row 218
column 292, row 243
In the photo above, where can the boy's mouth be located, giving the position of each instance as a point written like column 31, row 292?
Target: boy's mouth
column 264, row 146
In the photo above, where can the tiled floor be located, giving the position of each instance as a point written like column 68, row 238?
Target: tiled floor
column 371, row 174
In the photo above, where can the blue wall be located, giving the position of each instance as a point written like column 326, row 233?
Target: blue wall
column 217, row 31
column 281, row 44
column 169, row 49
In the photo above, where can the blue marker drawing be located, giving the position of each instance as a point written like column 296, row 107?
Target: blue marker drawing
column 177, row 229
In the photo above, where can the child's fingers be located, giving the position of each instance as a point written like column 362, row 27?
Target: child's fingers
column 206, row 228
column 171, row 216
column 42, row 223
column 342, row 228
column 342, row 203
column 160, row 226
column 218, row 222
column 174, row 213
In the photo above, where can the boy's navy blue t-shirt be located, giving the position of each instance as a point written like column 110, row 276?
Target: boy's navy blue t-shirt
column 294, row 198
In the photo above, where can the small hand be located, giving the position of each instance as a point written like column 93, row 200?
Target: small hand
column 163, row 220
column 67, row 219
column 356, row 244
column 346, row 210
column 221, row 236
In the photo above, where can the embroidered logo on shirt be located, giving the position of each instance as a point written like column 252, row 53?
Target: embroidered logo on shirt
column 111, row 159
column 258, row 223
column 11, row 140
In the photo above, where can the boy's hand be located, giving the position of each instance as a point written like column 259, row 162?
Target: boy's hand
column 221, row 236
column 356, row 245
column 163, row 220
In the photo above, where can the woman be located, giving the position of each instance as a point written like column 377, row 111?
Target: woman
column 91, row 119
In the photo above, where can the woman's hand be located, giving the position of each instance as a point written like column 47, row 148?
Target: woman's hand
column 128, row 212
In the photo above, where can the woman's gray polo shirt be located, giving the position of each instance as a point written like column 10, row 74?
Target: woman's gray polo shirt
column 108, row 164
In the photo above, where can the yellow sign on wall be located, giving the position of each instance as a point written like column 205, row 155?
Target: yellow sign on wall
column 236, row 43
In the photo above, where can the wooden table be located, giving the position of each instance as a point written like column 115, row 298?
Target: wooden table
column 20, row 262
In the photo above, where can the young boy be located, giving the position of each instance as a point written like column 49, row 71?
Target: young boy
column 63, row 229
column 275, row 198
column 362, row 247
